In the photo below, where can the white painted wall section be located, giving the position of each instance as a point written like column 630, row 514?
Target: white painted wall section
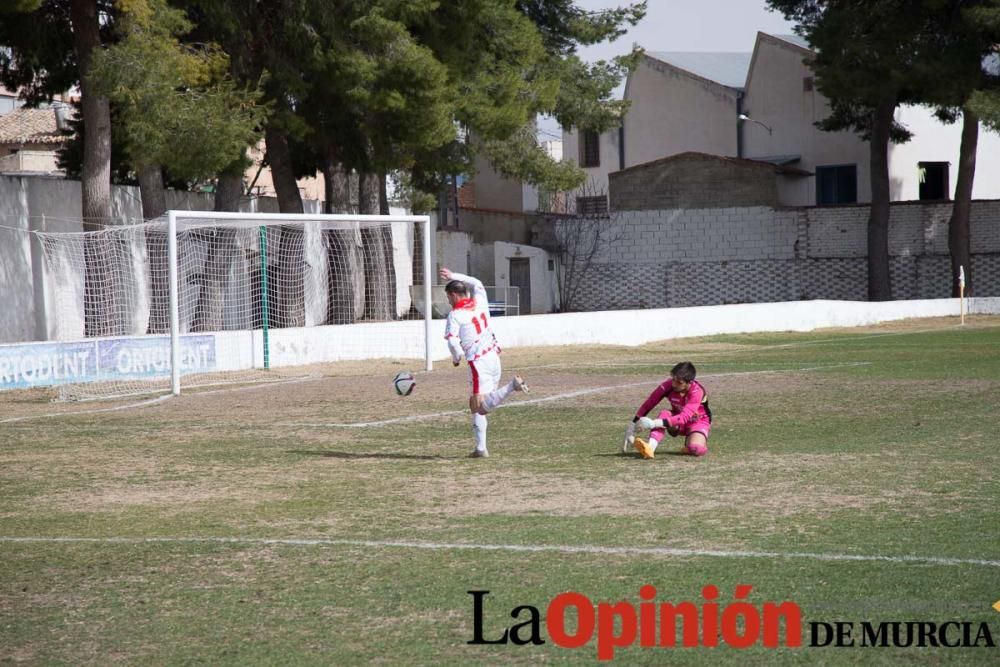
column 637, row 327
column 32, row 364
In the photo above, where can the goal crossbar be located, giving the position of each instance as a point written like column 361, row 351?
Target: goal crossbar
column 205, row 218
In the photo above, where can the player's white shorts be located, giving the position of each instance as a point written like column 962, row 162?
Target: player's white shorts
column 484, row 373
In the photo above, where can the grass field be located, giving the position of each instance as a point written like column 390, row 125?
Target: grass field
column 854, row 472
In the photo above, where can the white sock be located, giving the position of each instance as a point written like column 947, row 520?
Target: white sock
column 479, row 430
column 493, row 399
column 653, row 444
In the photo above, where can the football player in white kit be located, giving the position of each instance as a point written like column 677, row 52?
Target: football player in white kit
column 469, row 335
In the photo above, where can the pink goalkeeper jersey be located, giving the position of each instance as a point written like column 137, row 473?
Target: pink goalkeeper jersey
column 467, row 329
column 684, row 409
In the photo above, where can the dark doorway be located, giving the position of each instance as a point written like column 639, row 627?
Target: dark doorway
column 520, row 277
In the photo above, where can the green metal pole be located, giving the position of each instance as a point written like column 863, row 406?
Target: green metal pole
column 263, row 295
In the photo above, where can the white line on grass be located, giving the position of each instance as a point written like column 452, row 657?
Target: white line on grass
column 530, row 548
column 846, row 337
column 397, row 420
column 558, row 397
column 152, row 401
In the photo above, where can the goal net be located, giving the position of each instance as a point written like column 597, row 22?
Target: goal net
column 205, row 298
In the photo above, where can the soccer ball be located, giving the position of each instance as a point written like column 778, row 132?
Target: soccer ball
column 404, row 383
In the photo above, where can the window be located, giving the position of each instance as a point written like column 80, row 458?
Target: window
column 592, row 205
column 933, row 180
column 590, row 148
column 837, row 184
column 807, row 84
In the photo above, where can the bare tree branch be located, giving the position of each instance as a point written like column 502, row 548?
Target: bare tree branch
column 577, row 227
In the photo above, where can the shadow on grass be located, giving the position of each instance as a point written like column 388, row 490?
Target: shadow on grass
column 633, row 455
column 367, row 455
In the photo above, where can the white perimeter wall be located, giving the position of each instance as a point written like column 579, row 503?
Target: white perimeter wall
column 402, row 340
column 42, row 364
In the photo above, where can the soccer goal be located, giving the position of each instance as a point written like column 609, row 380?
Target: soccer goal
column 206, row 298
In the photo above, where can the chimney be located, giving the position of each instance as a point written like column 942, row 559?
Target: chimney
column 61, row 112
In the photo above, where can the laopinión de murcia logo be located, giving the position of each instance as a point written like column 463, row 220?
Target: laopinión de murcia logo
column 572, row 620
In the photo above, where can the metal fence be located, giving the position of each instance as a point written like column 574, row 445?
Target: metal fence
column 504, row 300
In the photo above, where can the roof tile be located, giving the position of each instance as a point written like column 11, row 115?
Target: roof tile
column 30, row 126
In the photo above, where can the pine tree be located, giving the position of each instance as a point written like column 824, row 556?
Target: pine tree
column 178, row 108
column 865, row 65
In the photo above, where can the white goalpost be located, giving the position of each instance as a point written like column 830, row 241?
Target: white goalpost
column 204, row 298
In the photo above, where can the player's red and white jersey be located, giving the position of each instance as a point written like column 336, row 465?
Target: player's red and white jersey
column 467, row 329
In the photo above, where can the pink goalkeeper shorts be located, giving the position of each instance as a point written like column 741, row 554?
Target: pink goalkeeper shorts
column 700, row 426
column 703, row 426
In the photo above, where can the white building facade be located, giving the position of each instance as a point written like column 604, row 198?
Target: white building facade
column 694, row 102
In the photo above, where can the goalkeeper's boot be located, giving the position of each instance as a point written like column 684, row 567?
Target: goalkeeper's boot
column 644, row 448
column 479, row 454
column 520, row 384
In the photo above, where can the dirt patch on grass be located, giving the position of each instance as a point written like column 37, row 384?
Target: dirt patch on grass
column 350, row 401
column 163, row 496
column 150, row 458
column 771, row 486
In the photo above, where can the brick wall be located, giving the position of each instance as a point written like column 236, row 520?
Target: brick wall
column 694, row 257
column 693, row 180
column 467, row 195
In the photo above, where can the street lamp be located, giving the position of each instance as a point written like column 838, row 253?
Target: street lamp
column 743, row 116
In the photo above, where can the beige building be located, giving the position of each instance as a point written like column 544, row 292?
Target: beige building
column 488, row 190
column 781, row 93
column 29, row 139
column 492, row 191
column 763, row 106
column 679, row 102
column 259, row 182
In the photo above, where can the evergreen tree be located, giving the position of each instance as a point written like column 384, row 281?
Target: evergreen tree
column 865, row 64
column 970, row 35
column 178, row 109
column 876, row 55
column 50, row 46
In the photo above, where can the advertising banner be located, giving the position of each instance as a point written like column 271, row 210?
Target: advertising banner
column 45, row 364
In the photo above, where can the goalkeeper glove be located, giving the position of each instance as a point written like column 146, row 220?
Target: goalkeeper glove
column 629, row 437
column 649, row 424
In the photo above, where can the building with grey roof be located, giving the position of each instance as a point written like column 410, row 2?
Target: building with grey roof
column 764, row 106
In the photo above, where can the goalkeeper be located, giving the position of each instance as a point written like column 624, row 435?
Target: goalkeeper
column 688, row 414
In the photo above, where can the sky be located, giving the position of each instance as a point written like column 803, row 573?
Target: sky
column 691, row 25
column 685, row 25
